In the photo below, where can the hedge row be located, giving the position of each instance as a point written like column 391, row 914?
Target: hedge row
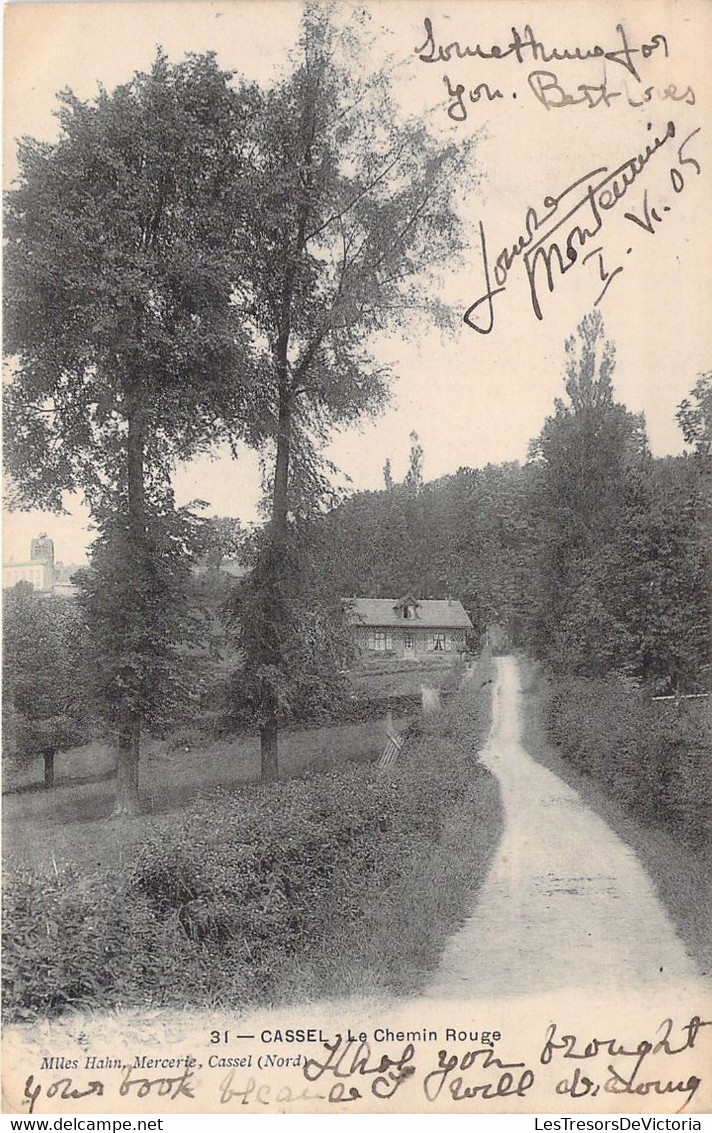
column 653, row 756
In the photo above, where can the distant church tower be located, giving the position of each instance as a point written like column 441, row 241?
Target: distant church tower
column 42, row 550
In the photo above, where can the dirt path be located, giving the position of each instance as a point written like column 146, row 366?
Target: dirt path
column 566, row 903
column 567, row 929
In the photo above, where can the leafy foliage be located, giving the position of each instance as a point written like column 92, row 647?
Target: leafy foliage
column 695, row 417
column 350, row 215
column 414, row 476
column 353, row 212
column 136, row 605
column 594, row 556
column 468, row 535
column 221, row 537
column 120, row 265
column 651, row 757
column 45, row 708
column 299, row 674
column 123, row 253
column 585, row 454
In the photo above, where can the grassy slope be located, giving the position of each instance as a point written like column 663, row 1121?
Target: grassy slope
column 69, row 823
column 392, row 938
column 681, row 877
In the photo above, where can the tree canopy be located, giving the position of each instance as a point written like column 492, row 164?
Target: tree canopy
column 594, row 556
column 124, row 241
column 45, row 701
column 122, row 249
column 196, row 257
column 695, row 418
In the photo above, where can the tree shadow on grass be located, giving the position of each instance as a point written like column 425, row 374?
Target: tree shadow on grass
column 60, row 783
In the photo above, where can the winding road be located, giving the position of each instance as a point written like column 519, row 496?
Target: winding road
column 566, row 902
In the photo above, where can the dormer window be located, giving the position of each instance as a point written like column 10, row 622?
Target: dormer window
column 407, row 607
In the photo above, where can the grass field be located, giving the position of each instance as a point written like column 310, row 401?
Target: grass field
column 339, row 878
column 394, row 680
column 69, row 823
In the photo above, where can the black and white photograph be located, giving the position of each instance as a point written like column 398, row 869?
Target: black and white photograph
column 357, row 517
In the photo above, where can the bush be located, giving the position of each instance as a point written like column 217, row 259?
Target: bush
column 65, row 941
column 219, row 906
column 652, row 756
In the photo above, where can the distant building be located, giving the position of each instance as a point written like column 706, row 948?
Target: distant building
column 42, row 550
column 41, row 572
column 39, row 575
column 408, row 628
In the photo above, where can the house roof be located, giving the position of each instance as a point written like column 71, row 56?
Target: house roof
column 447, row 614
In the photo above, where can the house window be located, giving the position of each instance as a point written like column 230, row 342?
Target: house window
column 408, row 611
column 408, row 639
column 439, row 642
column 381, row 640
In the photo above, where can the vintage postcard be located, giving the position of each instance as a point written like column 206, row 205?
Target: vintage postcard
column 358, row 457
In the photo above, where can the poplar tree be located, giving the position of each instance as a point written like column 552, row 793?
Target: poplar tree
column 354, row 213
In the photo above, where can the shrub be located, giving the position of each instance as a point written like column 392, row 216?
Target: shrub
column 220, row 905
column 652, row 756
column 65, row 941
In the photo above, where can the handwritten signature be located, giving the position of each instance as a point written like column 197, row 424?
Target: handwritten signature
column 553, row 241
column 548, row 90
column 549, row 93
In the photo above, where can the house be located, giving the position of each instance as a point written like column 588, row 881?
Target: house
column 408, row 628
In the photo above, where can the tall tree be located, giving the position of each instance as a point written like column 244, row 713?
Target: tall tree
column 584, row 456
column 659, row 579
column 354, row 207
column 388, row 475
column 123, row 252
column 414, row 475
column 221, row 538
column 135, row 599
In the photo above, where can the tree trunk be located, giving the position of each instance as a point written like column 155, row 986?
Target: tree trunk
column 269, row 732
column 49, row 769
column 127, row 796
column 269, row 751
column 281, row 474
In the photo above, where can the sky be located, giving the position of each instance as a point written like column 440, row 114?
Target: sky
column 473, row 398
